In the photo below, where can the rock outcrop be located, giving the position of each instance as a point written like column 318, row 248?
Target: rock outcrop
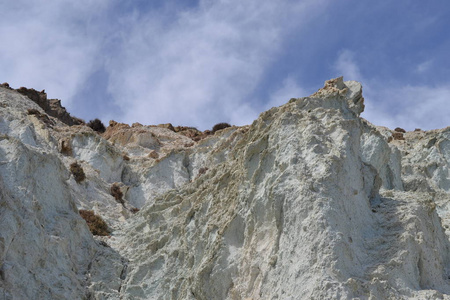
column 309, row 202
column 52, row 107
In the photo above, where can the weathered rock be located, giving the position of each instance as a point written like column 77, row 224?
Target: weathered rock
column 52, row 107
column 295, row 212
column 309, row 202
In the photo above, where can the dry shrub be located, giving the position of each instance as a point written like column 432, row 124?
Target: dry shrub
column 116, row 192
column 202, row 171
column 77, row 172
column 126, row 157
column 65, row 147
column 95, row 223
column 398, row 136
column 5, row 85
column 33, row 111
column 398, row 129
column 153, row 154
column 134, row 210
column 97, row 125
column 192, row 132
column 220, row 126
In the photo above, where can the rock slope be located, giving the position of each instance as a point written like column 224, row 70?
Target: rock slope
column 309, row 202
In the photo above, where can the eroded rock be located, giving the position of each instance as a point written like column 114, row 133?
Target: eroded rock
column 310, row 201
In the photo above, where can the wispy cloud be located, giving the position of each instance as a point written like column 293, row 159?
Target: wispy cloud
column 204, row 66
column 47, row 45
column 410, row 107
column 289, row 89
column 424, row 66
column 393, row 105
column 192, row 65
column 346, row 66
column 199, row 63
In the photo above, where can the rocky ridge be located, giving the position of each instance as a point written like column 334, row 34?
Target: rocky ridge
column 309, row 202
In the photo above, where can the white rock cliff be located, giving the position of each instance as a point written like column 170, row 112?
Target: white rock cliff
column 309, row 202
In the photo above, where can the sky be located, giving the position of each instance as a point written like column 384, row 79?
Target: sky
column 198, row 63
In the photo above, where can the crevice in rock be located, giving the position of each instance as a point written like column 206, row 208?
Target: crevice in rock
column 383, row 245
column 186, row 163
column 420, row 269
column 123, row 273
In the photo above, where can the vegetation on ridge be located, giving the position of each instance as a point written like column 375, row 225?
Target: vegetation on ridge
column 97, row 125
column 220, row 126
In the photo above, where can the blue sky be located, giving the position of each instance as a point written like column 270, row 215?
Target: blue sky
column 198, row 63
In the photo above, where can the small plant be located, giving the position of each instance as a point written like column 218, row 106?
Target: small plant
column 5, row 85
column 116, row 192
column 33, row 111
column 97, row 125
column 398, row 136
column 134, row 210
column 77, row 172
column 95, row 223
column 202, row 171
column 220, row 126
column 153, row 154
column 125, row 157
column 65, row 147
column 398, row 129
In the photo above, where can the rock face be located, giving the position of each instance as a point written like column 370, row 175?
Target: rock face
column 309, row 202
column 52, row 107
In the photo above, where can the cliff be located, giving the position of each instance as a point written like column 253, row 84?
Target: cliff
column 309, row 202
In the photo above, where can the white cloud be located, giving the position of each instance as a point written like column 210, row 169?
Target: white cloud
column 44, row 46
column 393, row 105
column 194, row 66
column 346, row 66
column 289, row 89
column 188, row 65
column 202, row 67
column 422, row 107
column 408, row 107
column 424, row 66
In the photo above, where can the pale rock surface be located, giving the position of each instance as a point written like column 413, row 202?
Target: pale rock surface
column 309, row 202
